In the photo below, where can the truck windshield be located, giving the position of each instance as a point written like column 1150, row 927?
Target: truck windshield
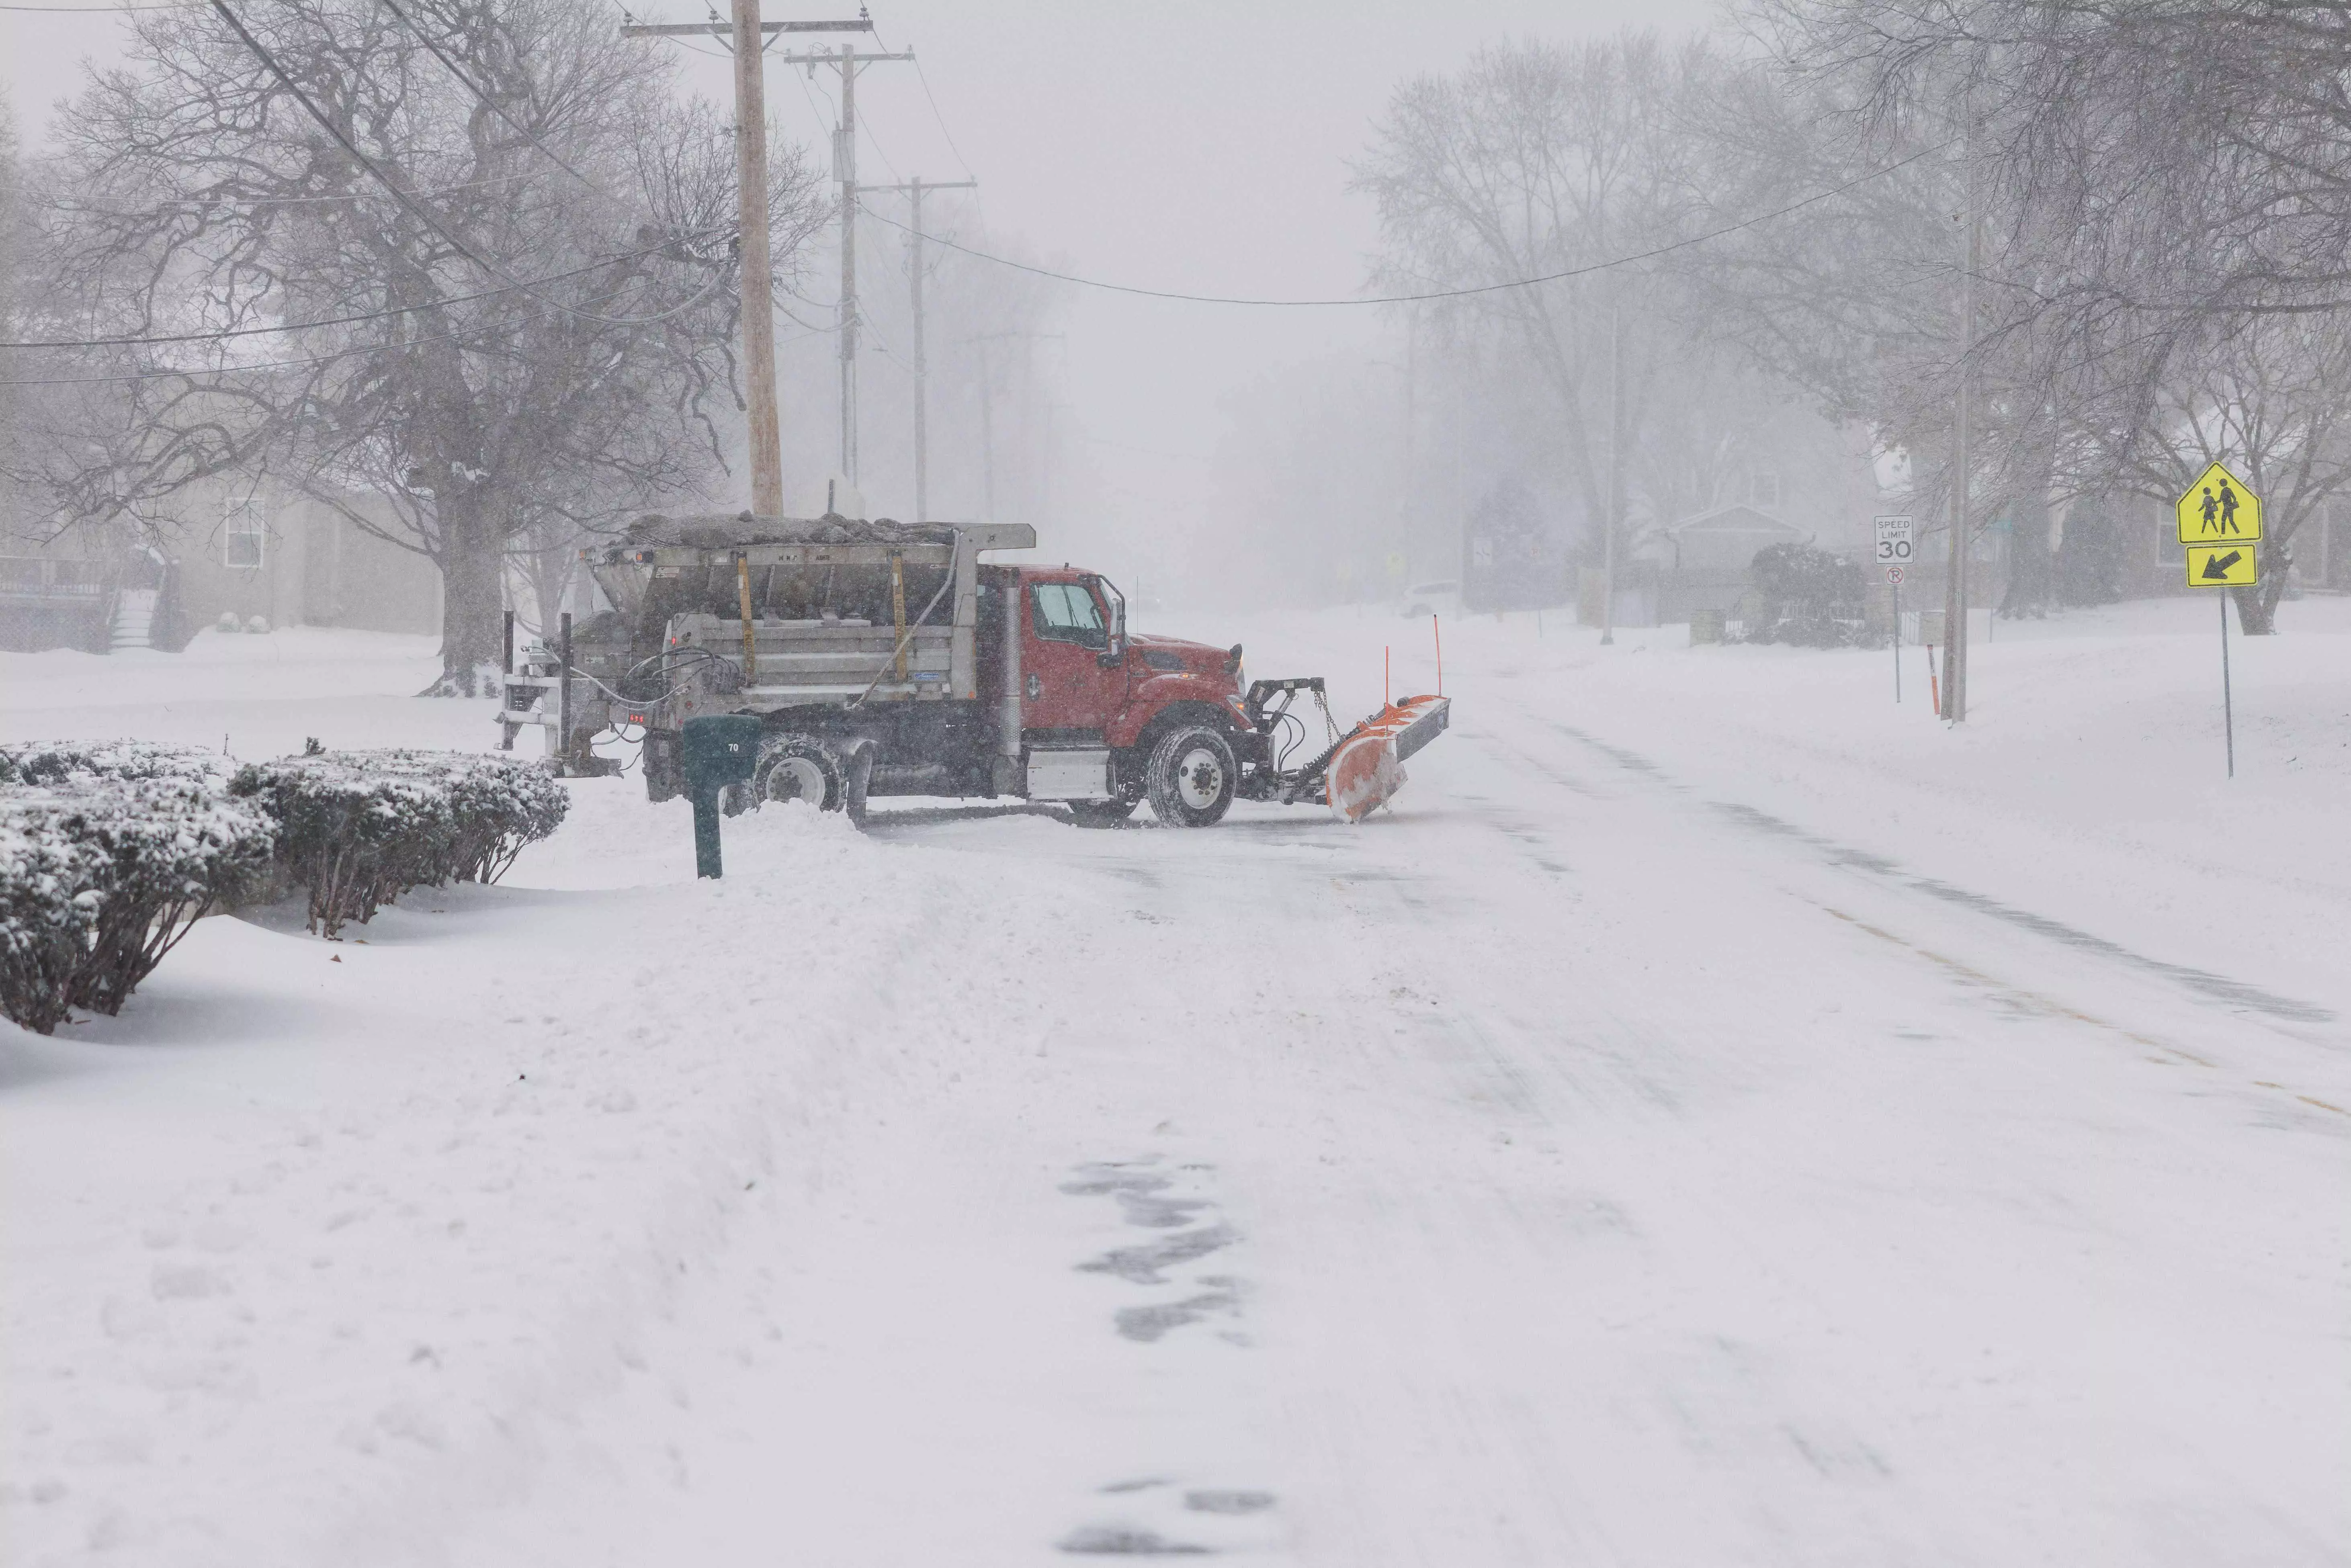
column 1066, row 612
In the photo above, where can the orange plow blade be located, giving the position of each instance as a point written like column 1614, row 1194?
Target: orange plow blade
column 1367, row 767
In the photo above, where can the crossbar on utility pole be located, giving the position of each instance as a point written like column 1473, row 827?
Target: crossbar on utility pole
column 766, row 439
column 727, row 29
column 914, row 188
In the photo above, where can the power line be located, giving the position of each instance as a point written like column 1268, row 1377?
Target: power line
column 1651, row 254
column 102, row 10
column 347, row 320
column 941, row 119
column 487, row 101
column 411, row 204
column 261, row 365
column 272, row 200
column 339, row 353
column 808, row 90
column 315, row 359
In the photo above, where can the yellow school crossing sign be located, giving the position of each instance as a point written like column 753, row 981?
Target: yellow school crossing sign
column 2220, row 522
column 2220, row 509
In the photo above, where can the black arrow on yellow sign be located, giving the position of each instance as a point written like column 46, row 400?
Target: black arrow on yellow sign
column 2217, row 567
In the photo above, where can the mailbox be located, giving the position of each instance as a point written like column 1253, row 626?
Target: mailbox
column 718, row 750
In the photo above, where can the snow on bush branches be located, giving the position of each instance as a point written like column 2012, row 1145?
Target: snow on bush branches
column 110, row 850
column 358, row 829
column 109, row 853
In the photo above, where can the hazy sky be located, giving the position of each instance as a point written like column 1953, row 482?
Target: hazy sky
column 1199, row 147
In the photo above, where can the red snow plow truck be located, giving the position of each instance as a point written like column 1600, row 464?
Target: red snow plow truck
column 886, row 658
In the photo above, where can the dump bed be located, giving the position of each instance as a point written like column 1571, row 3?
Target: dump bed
column 839, row 610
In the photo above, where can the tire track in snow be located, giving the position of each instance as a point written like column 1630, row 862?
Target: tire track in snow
column 2206, row 984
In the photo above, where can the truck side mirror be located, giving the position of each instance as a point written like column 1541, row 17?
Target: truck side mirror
column 1109, row 657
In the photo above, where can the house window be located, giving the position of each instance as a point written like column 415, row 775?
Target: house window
column 1763, row 489
column 243, row 537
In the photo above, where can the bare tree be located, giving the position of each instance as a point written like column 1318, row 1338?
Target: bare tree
column 1537, row 159
column 507, row 252
column 2162, row 177
column 2272, row 399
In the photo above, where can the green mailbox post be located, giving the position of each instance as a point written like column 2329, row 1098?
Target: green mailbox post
column 719, row 750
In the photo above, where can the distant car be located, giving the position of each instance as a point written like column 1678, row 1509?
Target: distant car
column 1432, row 599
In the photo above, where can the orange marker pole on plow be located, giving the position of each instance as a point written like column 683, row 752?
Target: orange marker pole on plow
column 1367, row 767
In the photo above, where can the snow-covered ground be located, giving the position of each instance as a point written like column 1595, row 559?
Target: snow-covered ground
column 1716, row 1116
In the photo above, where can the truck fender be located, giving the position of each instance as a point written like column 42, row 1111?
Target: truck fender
column 1194, row 699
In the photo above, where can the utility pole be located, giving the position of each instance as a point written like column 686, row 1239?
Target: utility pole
column 986, row 418
column 915, row 189
column 1404, row 529
column 1615, row 474
column 845, row 158
column 1955, row 589
column 987, row 437
column 746, row 33
column 845, row 170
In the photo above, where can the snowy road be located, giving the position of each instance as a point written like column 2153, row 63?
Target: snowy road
column 1591, row 1160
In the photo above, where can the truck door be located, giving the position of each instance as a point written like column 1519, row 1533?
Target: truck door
column 1073, row 673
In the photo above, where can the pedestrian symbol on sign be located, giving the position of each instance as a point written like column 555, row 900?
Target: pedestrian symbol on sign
column 2219, row 507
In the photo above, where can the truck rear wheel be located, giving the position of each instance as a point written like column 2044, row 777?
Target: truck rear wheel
column 800, row 768
column 1190, row 777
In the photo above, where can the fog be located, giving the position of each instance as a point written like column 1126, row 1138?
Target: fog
column 1646, row 865
column 1202, row 149
column 1246, row 310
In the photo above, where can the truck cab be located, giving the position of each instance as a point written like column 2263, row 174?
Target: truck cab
column 1096, row 701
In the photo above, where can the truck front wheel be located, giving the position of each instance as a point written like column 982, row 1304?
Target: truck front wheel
column 1190, row 777
column 800, row 768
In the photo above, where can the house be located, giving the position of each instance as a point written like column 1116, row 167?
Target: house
column 1724, row 540
column 62, row 592
column 1698, row 563
column 222, row 548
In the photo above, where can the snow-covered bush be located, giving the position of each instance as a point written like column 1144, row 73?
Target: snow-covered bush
column 60, row 761
column 1809, row 598
column 358, row 829
column 100, row 877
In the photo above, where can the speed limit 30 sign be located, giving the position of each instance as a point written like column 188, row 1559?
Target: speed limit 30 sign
column 1895, row 542
column 1896, row 539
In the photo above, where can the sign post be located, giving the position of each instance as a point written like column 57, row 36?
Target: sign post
column 1894, row 536
column 2220, row 522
